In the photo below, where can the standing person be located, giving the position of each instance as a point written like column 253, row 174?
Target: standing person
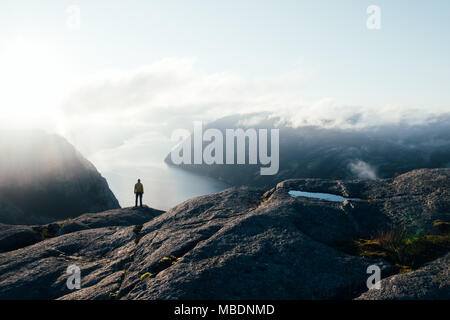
column 138, row 191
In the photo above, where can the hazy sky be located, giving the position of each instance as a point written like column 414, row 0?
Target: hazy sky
column 135, row 69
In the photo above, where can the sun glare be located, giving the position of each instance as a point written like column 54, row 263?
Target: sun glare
column 34, row 77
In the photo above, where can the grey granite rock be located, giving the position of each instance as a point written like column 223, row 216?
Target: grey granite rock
column 39, row 271
column 237, row 244
column 431, row 282
column 254, row 253
column 13, row 237
column 116, row 217
column 411, row 201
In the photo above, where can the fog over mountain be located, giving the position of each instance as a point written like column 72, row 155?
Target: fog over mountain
column 43, row 178
column 124, row 107
column 370, row 152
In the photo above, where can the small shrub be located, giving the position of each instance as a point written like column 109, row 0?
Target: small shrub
column 406, row 251
column 403, row 269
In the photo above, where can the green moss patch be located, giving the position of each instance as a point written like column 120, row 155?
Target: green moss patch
column 162, row 264
column 166, row 262
column 145, row 276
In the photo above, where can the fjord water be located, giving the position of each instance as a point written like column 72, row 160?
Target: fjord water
column 143, row 158
column 164, row 186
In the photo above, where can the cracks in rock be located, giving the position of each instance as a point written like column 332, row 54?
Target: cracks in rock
column 266, row 196
column 190, row 246
column 259, row 201
column 165, row 262
column 114, row 294
column 137, row 233
column 128, row 261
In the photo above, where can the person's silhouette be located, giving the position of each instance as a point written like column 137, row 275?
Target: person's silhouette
column 138, row 191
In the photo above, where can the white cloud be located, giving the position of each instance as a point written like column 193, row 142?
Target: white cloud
column 363, row 170
column 118, row 105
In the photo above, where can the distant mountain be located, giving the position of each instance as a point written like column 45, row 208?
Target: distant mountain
column 243, row 243
column 317, row 152
column 43, row 179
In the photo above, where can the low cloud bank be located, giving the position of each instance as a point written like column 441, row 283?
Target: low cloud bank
column 119, row 105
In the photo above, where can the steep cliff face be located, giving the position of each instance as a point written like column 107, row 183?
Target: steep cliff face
column 237, row 244
column 43, row 178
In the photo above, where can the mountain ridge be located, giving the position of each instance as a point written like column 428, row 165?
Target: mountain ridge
column 333, row 153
